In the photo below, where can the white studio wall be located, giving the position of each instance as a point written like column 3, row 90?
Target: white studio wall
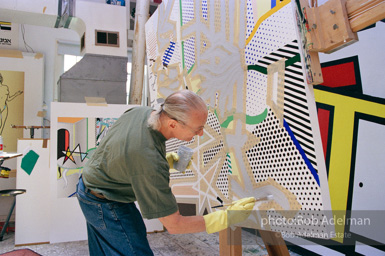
column 103, row 17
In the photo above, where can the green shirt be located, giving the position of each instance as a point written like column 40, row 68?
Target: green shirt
column 130, row 165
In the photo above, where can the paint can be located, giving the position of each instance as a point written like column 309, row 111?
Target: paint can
column 185, row 154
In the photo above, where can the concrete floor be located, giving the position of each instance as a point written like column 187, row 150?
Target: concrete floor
column 162, row 244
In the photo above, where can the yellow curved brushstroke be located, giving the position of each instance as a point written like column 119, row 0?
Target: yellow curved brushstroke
column 264, row 17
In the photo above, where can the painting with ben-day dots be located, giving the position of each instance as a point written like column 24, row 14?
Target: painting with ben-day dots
column 261, row 139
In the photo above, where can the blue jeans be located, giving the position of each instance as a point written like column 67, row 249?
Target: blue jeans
column 113, row 228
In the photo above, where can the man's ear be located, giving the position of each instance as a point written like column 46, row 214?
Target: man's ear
column 172, row 123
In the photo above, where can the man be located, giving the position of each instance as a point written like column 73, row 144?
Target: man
column 131, row 165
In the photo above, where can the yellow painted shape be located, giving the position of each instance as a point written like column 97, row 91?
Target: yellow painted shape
column 234, row 166
column 230, row 126
column 265, row 16
column 262, row 7
column 72, row 171
column 196, row 84
column 68, row 173
column 341, row 148
column 69, row 155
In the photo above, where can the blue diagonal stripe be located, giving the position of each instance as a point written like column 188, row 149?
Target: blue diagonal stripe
column 304, row 157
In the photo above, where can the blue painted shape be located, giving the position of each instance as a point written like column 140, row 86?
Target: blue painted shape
column 73, row 194
column 168, row 53
column 299, row 148
column 273, row 3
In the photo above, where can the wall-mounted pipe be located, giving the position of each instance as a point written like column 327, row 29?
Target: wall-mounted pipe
column 138, row 53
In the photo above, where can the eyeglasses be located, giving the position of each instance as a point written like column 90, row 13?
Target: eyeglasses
column 190, row 128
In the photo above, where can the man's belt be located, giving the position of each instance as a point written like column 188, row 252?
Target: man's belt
column 98, row 195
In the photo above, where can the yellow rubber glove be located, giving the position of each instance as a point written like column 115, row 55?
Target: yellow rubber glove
column 238, row 212
column 171, row 158
column 189, row 163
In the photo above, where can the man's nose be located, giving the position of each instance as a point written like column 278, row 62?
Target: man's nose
column 200, row 132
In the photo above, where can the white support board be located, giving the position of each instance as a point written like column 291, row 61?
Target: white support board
column 33, row 207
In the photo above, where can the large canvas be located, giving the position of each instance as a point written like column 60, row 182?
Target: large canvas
column 262, row 136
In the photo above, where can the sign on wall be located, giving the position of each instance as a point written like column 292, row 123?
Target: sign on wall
column 9, row 35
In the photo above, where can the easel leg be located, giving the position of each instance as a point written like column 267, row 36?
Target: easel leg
column 230, row 242
column 275, row 245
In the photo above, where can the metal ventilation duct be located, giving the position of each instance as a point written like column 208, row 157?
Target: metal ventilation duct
column 95, row 76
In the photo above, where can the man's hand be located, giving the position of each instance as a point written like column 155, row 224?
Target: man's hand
column 171, row 158
column 238, row 212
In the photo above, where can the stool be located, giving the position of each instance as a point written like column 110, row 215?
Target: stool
column 14, row 193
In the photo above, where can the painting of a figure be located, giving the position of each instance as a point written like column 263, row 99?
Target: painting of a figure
column 11, row 107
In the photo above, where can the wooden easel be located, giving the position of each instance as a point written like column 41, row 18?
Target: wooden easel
column 31, row 128
column 334, row 25
column 230, row 242
column 274, row 243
